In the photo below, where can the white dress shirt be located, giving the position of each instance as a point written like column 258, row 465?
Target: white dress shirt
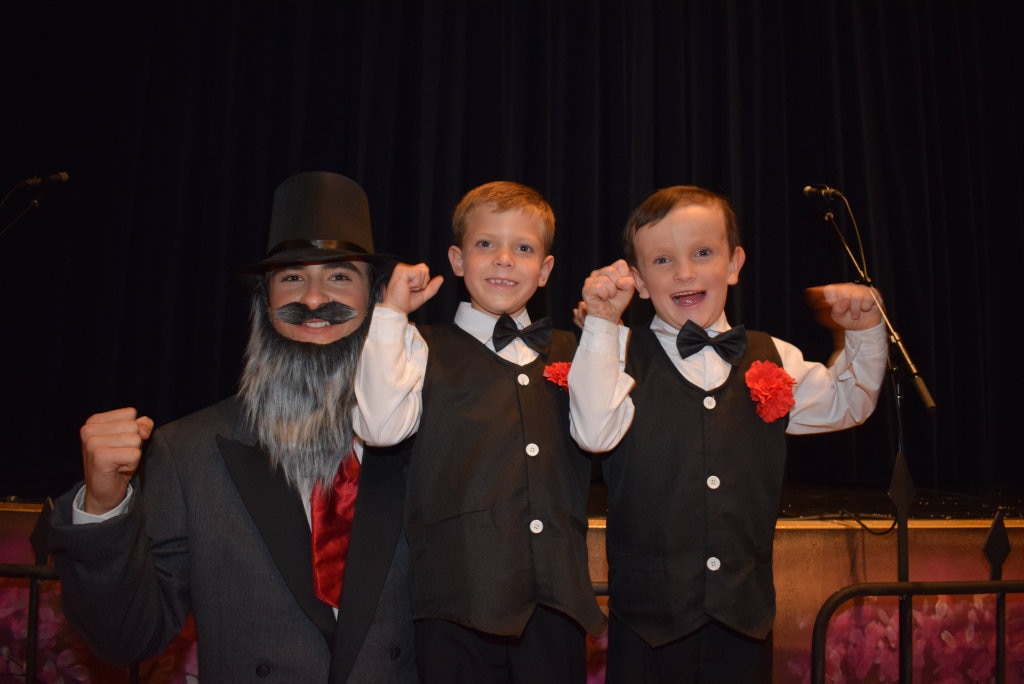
column 828, row 398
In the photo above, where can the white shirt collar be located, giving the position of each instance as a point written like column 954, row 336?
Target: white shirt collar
column 662, row 328
column 481, row 325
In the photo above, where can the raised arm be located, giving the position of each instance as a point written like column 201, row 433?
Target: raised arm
column 600, row 409
column 389, row 379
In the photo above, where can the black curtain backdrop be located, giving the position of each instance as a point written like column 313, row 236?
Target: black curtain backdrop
column 176, row 120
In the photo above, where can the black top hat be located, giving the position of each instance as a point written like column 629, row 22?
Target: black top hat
column 318, row 217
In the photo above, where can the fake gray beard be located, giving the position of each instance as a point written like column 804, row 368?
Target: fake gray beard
column 299, row 397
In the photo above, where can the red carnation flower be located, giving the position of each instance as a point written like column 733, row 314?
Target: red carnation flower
column 772, row 388
column 558, row 373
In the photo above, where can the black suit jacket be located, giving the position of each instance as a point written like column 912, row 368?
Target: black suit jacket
column 214, row 531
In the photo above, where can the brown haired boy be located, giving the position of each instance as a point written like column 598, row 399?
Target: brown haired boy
column 694, row 414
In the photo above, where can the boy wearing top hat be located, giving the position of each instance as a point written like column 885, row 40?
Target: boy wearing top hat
column 215, row 521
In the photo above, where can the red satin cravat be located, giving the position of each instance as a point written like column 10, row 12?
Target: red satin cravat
column 331, row 518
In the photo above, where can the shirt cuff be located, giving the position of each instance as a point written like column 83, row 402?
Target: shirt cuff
column 387, row 324
column 604, row 337
column 869, row 343
column 80, row 517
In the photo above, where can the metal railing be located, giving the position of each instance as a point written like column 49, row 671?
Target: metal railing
column 907, row 590
column 996, row 550
column 36, row 574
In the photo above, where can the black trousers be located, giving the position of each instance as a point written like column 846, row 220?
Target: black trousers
column 714, row 653
column 551, row 650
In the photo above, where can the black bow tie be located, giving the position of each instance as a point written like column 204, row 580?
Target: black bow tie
column 730, row 345
column 536, row 336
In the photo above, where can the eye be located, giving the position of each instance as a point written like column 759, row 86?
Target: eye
column 661, row 260
column 484, row 243
column 340, row 276
column 525, row 249
column 706, row 252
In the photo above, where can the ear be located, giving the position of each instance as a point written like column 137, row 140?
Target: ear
column 545, row 270
column 735, row 264
column 641, row 285
column 455, row 258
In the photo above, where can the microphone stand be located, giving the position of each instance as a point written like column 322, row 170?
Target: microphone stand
column 32, row 204
column 901, row 487
column 862, row 271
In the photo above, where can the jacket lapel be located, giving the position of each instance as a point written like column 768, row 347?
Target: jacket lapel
column 376, row 529
column 279, row 515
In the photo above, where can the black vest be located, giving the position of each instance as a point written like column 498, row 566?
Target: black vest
column 496, row 507
column 695, row 483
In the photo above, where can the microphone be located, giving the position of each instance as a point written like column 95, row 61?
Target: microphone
column 821, row 191
column 37, row 182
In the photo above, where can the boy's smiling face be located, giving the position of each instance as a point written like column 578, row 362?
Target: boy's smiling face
column 501, row 259
column 684, row 265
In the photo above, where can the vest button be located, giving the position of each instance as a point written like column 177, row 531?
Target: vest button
column 536, row 526
column 532, row 449
column 262, row 670
column 523, row 379
column 714, row 482
column 714, row 564
column 710, row 403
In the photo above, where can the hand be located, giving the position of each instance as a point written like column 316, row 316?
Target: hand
column 410, row 287
column 579, row 314
column 111, row 451
column 607, row 292
column 845, row 306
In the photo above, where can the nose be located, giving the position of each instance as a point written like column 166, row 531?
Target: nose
column 314, row 295
column 684, row 272
column 503, row 257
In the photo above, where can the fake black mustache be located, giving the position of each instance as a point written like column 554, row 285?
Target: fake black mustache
column 298, row 313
